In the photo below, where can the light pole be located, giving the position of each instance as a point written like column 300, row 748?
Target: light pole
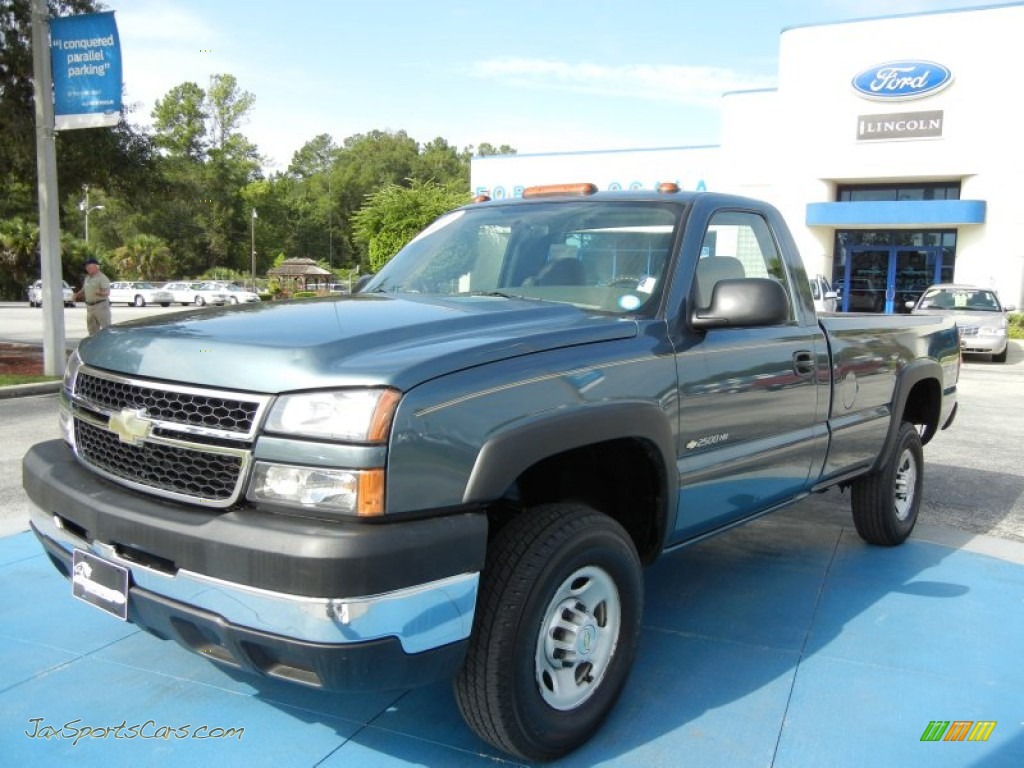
column 85, row 208
column 253, row 249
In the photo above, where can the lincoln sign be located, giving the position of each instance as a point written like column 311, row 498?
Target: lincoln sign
column 905, row 125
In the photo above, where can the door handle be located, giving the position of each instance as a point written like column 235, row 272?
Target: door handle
column 803, row 363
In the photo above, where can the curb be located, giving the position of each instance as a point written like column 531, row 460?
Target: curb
column 27, row 390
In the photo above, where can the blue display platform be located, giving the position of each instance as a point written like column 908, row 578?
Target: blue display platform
column 787, row 643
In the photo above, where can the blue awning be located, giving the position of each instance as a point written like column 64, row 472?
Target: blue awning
column 897, row 213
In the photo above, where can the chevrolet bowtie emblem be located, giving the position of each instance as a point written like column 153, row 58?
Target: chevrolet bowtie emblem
column 132, row 427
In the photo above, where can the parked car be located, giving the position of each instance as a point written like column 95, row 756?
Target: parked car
column 236, row 293
column 35, row 294
column 199, row 294
column 825, row 299
column 139, row 294
column 979, row 314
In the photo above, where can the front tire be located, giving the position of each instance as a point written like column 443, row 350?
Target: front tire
column 555, row 632
column 140, row 301
column 886, row 502
column 200, row 301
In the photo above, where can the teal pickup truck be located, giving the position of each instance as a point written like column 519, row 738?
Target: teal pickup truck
column 460, row 471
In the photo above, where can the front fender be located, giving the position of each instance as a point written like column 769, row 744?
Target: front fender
column 515, row 447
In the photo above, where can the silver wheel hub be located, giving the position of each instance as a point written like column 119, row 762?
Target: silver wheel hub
column 578, row 637
column 906, row 482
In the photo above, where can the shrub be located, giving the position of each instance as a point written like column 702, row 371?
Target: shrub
column 1016, row 325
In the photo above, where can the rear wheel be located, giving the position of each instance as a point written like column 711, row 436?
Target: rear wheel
column 555, row 631
column 140, row 301
column 200, row 301
column 886, row 502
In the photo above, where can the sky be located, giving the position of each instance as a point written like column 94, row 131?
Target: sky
column 538, row 75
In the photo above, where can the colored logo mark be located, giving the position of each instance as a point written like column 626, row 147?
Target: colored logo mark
column 901, row 80
column 958, row 730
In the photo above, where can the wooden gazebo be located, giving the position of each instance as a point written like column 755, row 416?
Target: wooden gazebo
column 301, row 275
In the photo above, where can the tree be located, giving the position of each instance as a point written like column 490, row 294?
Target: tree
column 394, row 215
column 145, row 257
column 440, row 162
column 179, row 119
column 485, row 150
column 19, row 256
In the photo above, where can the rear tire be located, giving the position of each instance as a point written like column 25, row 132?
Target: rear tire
column 887, row 501
column 200, row 301
column 139, row 301
column 555, row 631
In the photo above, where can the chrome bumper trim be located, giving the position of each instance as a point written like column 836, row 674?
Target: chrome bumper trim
column 422, row 617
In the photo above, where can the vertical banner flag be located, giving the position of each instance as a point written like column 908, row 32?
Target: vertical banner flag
column 85, row 53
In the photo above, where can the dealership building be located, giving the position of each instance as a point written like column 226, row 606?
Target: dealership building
column 891, row 146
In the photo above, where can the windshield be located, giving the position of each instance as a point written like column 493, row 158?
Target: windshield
column 966, row 299
column 609, row 256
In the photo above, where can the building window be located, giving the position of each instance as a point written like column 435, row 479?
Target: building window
column 875, row 193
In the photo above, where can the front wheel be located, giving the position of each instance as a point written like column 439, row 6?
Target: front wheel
column 200, row 301
column 140, row 301
column 555, row 631
column 886, row 502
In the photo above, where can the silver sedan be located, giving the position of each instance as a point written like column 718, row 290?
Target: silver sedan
column 979, row 314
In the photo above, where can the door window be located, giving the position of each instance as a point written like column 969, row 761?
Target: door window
column 738, row 244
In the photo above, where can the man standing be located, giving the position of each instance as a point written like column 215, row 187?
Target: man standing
column 96, row 294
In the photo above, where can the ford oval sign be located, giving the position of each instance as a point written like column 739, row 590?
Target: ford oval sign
column 902, row 80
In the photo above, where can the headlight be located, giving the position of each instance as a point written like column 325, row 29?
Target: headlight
column 71, row 371
column 992, row 331
column 362, row 415
column 336, row 491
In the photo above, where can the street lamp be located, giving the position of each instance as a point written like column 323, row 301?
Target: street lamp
column 85, row 208
column 253, row 229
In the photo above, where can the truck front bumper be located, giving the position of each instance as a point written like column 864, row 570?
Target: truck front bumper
column 352, row 625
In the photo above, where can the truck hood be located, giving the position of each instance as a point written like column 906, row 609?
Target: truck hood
column 399, row 341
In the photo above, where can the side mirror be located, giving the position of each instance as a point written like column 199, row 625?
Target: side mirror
column 910, row 304
column 831, row 295
column 746, row 302
column 1011, row 308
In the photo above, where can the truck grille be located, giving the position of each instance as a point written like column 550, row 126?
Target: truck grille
column 170, row 440
column 168, row 405
column 201, row 475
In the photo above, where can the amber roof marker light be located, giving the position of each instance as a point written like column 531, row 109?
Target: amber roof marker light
column 668, row 188
column 553, row 190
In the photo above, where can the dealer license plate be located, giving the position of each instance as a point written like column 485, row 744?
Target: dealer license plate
column 100, row 583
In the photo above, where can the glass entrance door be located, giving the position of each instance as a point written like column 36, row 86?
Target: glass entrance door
column 911, row 270
column 885, row 278
column 866, row 279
